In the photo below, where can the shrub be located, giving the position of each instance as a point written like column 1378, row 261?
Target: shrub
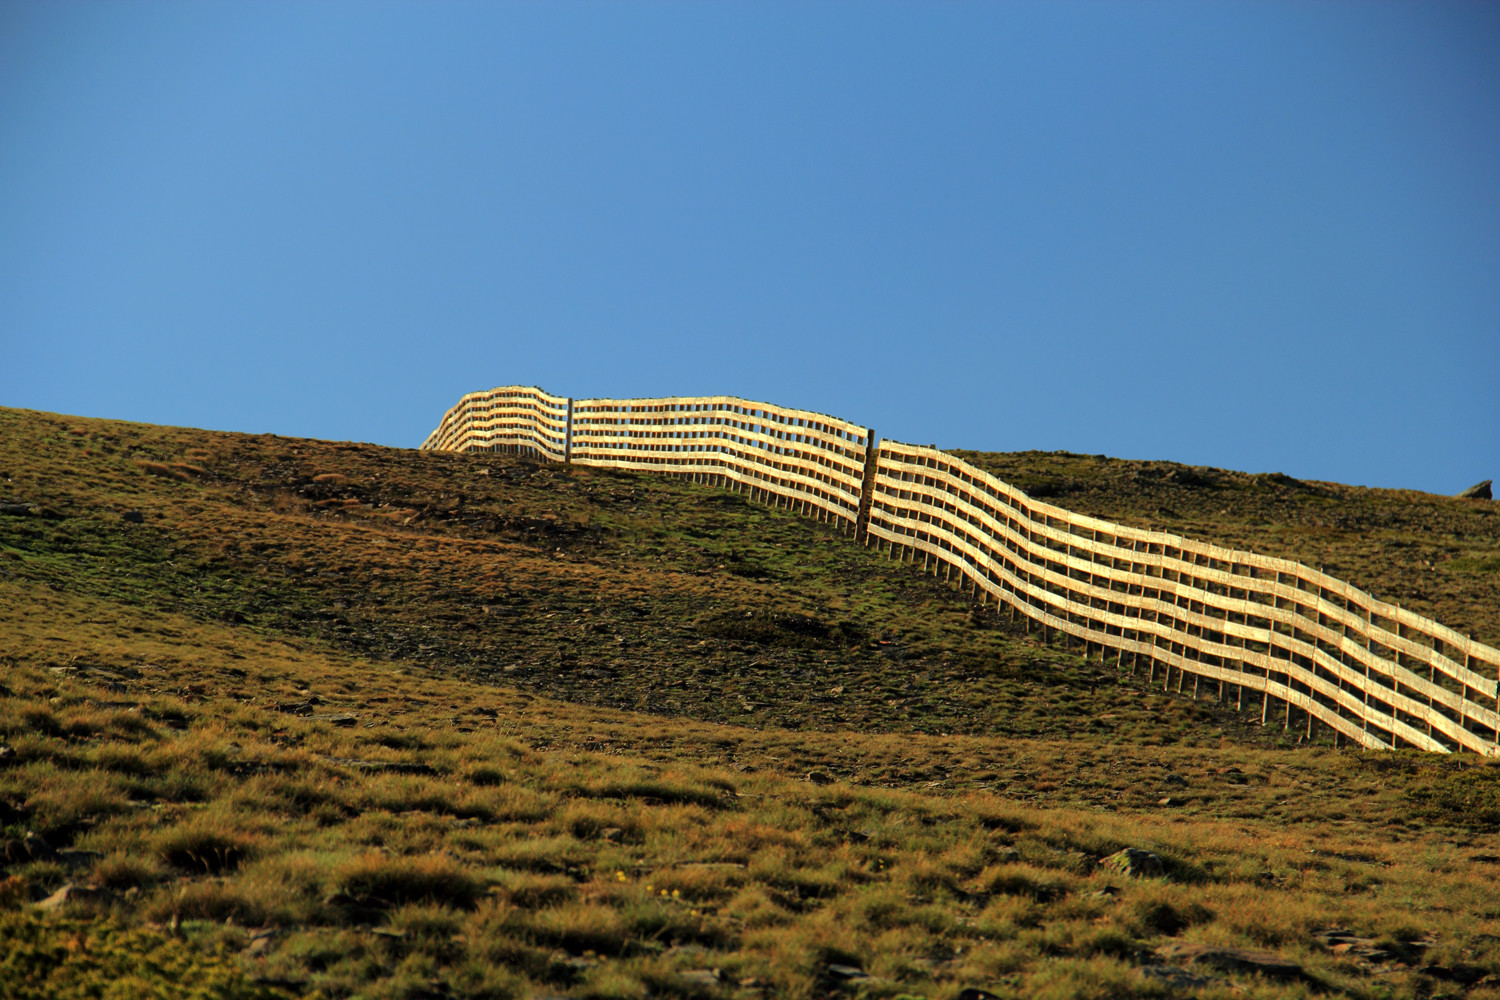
column 120, row 871
column 1024, row 881
column 486, row 776
column 375, row 881
column 530, row 891
column 65, row 801
column 215, row 901
column 204, row 848
column 164, row 470
column 541, row 854
column 425, row 929
column 1162, row 916
column 594, row 820
column 289, row 886
column 587, row 927
column 656, row 792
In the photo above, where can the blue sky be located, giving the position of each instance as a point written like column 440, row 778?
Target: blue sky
column 1256, row 236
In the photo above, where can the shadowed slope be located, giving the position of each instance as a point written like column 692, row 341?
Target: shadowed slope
column 609, row 588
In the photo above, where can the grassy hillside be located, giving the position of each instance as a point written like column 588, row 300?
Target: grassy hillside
column 599, row 587
column 290, row 718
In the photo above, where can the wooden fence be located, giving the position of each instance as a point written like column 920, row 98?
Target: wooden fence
column 1269, row 632
column 517, row 418
column 810, row 462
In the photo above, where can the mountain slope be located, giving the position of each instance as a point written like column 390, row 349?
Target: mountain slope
column 607, row 588
column 299, row 716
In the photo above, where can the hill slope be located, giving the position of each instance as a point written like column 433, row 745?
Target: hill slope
column 299, row 716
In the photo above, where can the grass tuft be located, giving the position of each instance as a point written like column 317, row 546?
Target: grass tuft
column 376, row 881
column 205, row 848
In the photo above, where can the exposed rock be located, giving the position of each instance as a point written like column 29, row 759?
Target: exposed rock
column 1173, row 978
column 700, row 977
column 29, row 848
column 1340, row 941
column 1262, row 963
column 261, row 940
column 341, row 719
column 1346, row 943
column 67, row 894
column 1463, row 975
column 16, row 509
column 1197, row 476
column 1479, row 491
column 847, row 972
column 1133, row 862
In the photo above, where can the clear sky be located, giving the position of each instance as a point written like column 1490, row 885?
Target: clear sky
column 1256, row 236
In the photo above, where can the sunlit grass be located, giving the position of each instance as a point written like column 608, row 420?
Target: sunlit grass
column 519, row 761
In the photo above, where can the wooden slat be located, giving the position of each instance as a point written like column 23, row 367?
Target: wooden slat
column 950, row 510
column 1031, row 555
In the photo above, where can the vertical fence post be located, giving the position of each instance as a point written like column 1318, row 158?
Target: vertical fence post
column 1469, row 663
column 867, row 487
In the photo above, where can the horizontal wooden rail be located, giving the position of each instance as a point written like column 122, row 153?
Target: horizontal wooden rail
column 808, row 461
column 1376, row 674
column 513, row 418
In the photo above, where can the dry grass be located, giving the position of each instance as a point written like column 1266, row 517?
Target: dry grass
column 292, row 802
column 633, row 872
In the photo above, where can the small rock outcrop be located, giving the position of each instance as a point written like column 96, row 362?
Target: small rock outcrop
column 1231, row 960
column 1479, row 491
column 69, row 893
